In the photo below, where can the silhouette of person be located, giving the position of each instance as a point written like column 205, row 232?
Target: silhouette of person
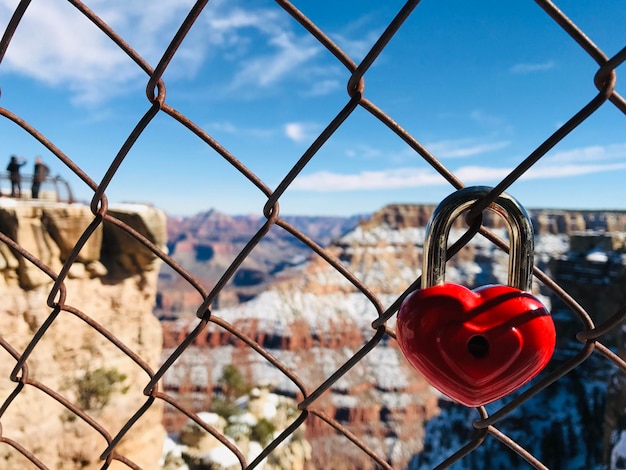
column 40, row 173
column 14, row 175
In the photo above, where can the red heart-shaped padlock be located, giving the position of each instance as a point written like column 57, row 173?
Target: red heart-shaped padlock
column 475, row 346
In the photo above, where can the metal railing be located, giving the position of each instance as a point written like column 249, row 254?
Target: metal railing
column 53, row 188
column 590, row 338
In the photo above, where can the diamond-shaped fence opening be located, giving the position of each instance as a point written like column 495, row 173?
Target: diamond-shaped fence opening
column 80, row 390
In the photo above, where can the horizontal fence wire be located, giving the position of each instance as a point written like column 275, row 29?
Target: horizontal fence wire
column 486, row 423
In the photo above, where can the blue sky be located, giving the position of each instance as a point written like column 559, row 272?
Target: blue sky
column 480, row 84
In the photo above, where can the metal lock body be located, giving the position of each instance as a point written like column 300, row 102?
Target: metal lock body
column 476, row 346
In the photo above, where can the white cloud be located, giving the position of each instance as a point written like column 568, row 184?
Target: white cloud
column 323, row 87
column 290, row 53
column 365, row 152
column 592, row 153
column 366, row 180
column 491, row 121
column 563, row 171
column 300, row 131
column 228, row 127
column 413, row 177
column 56, row 44
column 223, row 126
column 463, row 148
column 523, row 68
column 224, row 25
column 357, row 48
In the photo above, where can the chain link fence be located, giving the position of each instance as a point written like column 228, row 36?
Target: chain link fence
column 590, row 338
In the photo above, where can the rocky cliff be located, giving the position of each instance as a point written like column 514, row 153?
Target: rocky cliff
column 113, row 283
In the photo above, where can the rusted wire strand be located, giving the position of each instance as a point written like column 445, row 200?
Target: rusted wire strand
column 589, row 334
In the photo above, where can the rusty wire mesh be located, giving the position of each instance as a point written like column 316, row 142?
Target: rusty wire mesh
column 589, row 338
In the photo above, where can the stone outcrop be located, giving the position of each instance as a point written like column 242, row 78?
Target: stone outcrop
column 112, row 282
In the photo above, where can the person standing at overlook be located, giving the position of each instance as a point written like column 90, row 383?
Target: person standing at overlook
column 40, row 173
column 14, row 175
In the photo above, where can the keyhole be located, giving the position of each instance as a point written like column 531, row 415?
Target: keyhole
column 478, row 346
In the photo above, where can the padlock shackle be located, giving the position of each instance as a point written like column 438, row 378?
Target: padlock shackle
column 521, row 236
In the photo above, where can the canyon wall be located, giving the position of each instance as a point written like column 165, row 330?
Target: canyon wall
column 207, row 243
column 113, row 283
column 554, row 221
column 314, row 320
